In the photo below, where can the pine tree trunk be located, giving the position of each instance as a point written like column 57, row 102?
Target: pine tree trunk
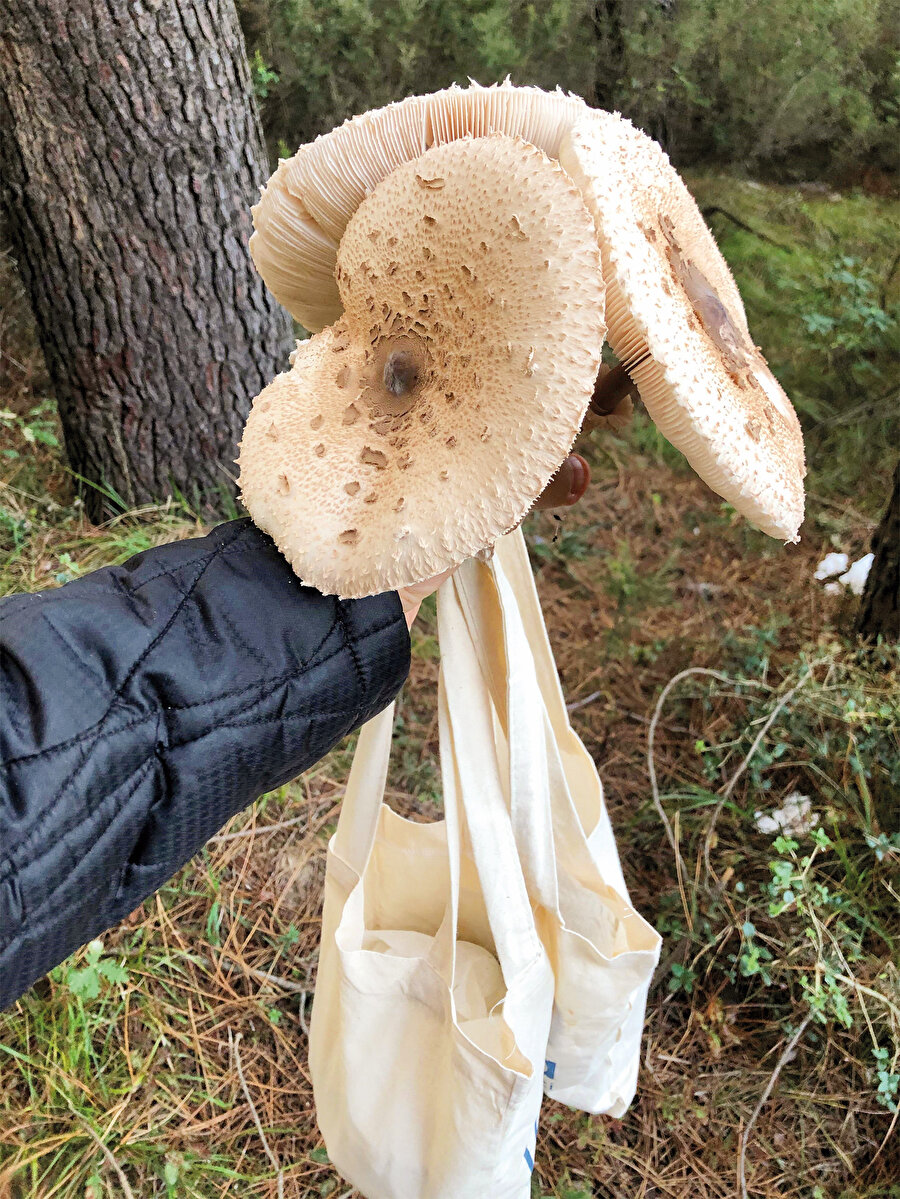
column 879, row 611
column 609, row 39
column 130, row 155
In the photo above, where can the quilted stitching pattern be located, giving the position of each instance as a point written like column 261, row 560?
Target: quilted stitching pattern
column 147, row 703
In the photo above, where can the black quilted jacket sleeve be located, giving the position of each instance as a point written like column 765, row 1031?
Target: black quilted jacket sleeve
column 143, row 705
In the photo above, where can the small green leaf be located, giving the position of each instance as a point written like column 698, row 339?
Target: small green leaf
column 784, row 845
column 113, row 971
column 84, row 983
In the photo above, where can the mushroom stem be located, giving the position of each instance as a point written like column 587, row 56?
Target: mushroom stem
column 612, row 386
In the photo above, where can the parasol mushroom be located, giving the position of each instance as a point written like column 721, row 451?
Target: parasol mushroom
column 678, row 326
column 305, row 206
column 425, row 422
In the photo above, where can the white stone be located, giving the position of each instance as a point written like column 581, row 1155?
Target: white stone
column 856, row 576
column 832, row 564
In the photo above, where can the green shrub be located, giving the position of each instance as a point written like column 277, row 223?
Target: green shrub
column 807, row 88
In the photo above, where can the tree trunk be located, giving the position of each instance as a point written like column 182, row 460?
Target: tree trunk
column 130, row 155
column 879, row 611
column 609, row 65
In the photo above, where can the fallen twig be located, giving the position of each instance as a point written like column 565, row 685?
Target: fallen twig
column 301, row 1015
column 763, row 1099
column 583, row 703
column 263, row 976
column 276, row 1165
column 840, row 506
column 887, row 401
column 258, row 830
column 715, row 209
column 104, row 1148
column 651, row 740
column 748, row 757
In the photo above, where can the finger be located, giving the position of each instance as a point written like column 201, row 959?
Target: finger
column 412, row 595
column 568, row 485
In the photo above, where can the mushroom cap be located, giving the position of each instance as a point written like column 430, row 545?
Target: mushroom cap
column 306, row 204
column 671, row 299
column 425, row 422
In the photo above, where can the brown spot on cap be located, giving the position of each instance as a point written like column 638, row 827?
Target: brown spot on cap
column 373, row 458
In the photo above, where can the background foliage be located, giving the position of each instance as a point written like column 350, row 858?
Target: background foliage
column 799, row 87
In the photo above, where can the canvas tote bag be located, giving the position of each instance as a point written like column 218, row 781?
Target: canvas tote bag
column 434, row 992
column 603, row 952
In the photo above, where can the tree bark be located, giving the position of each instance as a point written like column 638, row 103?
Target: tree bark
column 130, row 155
column 879, row 611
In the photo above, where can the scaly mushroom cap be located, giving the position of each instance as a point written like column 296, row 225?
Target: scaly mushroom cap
column 423, row 424
column 306, row 204
column 677, row 322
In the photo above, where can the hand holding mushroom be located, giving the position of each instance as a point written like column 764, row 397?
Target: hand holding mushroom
column 566, row 488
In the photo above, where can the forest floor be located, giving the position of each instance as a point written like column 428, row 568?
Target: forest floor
column 148, row 1064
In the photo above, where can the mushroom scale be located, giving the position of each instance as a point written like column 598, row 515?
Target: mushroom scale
column 306, row 204
column 676, row 320
column 425, row 422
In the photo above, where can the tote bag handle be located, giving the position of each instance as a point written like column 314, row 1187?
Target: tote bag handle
column 473, row 787
column 361, row 807
column 511, row 555
column 542, row 828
